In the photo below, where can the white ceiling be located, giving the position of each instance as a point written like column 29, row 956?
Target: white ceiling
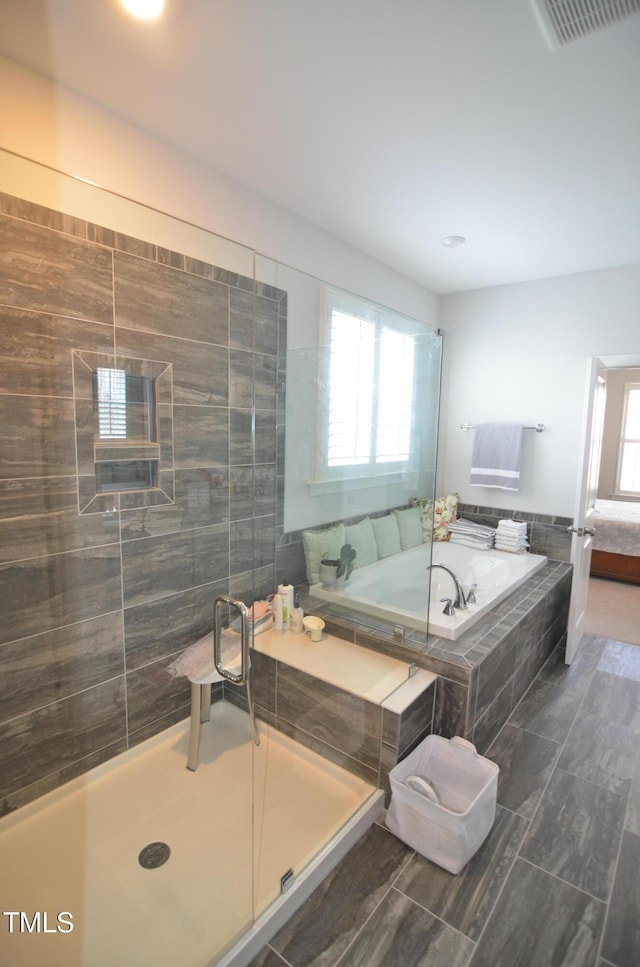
column 388, row 123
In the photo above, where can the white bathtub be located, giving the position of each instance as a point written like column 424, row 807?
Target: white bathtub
column 396, row 588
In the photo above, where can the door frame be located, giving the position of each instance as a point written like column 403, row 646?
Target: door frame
column 581, row 553
column 584, row 508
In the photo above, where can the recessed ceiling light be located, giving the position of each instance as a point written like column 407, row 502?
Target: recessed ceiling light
column 145, row 9
column 452, row 241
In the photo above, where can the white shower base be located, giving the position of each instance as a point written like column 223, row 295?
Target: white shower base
column 76, row 850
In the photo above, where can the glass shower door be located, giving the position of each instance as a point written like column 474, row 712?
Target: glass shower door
column 362, row 411
column 128, row 455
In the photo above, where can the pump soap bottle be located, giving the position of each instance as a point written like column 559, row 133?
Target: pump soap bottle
column 295, row 619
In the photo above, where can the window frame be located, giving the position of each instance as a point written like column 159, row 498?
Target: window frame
column 629, row 387
column 374, row 472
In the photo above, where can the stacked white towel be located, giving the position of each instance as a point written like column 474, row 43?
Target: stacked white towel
column 467, row 532
column 511, row 535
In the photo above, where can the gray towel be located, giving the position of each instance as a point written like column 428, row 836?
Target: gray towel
column 496, row 456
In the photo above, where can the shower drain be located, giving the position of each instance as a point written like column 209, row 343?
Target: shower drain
column 153, row 855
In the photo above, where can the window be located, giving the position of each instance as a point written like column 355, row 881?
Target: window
column 369, row 389
column 628, row 482
column 125, row 425
column 110, row 393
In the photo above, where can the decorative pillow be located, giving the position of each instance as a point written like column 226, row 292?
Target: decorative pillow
column 445, row 511
column 362, row 540
column 409, row 526
column 425, row 506
column 387, row 535
column 326, row 542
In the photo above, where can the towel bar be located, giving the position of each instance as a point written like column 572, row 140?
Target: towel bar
column 539, row 427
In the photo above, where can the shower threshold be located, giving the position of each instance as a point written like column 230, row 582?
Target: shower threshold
column 76, row 850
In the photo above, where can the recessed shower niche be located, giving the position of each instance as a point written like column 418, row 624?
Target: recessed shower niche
column 124, row 432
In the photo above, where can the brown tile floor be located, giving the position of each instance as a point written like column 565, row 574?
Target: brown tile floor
column 556, row 882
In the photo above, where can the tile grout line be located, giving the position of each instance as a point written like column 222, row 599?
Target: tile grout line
column 386, row 893
column 441, row 920
column 436, row 916
column 284, row 960
column 500, row 891
column 560, row 879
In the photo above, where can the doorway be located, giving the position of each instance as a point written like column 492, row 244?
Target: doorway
column 587, row 491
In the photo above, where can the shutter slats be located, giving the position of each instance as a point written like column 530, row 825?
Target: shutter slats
column 370, row 393
column 112, row 403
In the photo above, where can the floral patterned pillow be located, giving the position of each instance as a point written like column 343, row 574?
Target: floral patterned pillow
column 444, row 512
column 436, row 515
column 425, row 506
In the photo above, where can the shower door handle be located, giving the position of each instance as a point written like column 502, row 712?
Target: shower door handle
column 241, row 677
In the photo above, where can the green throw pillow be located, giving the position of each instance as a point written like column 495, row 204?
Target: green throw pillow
column 410, row 527
column 387, row 535
column 362, row 540
column 326, row 542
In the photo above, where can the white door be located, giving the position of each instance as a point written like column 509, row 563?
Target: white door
column 586, row 489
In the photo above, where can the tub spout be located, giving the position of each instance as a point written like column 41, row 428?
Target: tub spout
column 460, row 602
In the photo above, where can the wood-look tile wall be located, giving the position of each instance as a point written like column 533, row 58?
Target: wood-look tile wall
column 95, row 606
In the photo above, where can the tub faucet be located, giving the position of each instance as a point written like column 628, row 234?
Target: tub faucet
column 460, row 602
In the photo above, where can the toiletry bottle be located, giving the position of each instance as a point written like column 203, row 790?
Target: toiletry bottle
column 277, row 613
column 295, row 619
column 285, row 593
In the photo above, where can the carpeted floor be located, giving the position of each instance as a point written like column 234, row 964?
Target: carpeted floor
column 613, row 610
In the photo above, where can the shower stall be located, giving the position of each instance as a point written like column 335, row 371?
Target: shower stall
column 147, row 402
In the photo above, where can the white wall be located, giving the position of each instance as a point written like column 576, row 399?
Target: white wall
column 54, row 127
column 518, row 353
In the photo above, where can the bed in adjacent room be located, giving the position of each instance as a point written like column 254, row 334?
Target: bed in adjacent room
column 616, row 544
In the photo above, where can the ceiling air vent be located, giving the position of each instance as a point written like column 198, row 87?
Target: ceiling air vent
column 563, row 21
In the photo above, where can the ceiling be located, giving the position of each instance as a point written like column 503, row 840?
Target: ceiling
column 388, row 123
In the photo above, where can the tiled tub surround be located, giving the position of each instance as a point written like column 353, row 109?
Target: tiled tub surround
column 95, row 606
column 352, row 705
column 482, row 675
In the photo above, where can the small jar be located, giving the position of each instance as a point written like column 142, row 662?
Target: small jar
column 313, row 625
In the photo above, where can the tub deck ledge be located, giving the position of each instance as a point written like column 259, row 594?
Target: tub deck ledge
column 370, row 675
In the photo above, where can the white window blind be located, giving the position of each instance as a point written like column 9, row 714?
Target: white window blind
column 112, row 403
column 351, row 390
column 629, row 456
column 395, row 397
column 369, row 390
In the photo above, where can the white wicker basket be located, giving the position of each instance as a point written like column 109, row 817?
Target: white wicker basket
column 443, row 800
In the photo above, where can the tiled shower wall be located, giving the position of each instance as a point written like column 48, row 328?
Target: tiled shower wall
column 94, row 606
